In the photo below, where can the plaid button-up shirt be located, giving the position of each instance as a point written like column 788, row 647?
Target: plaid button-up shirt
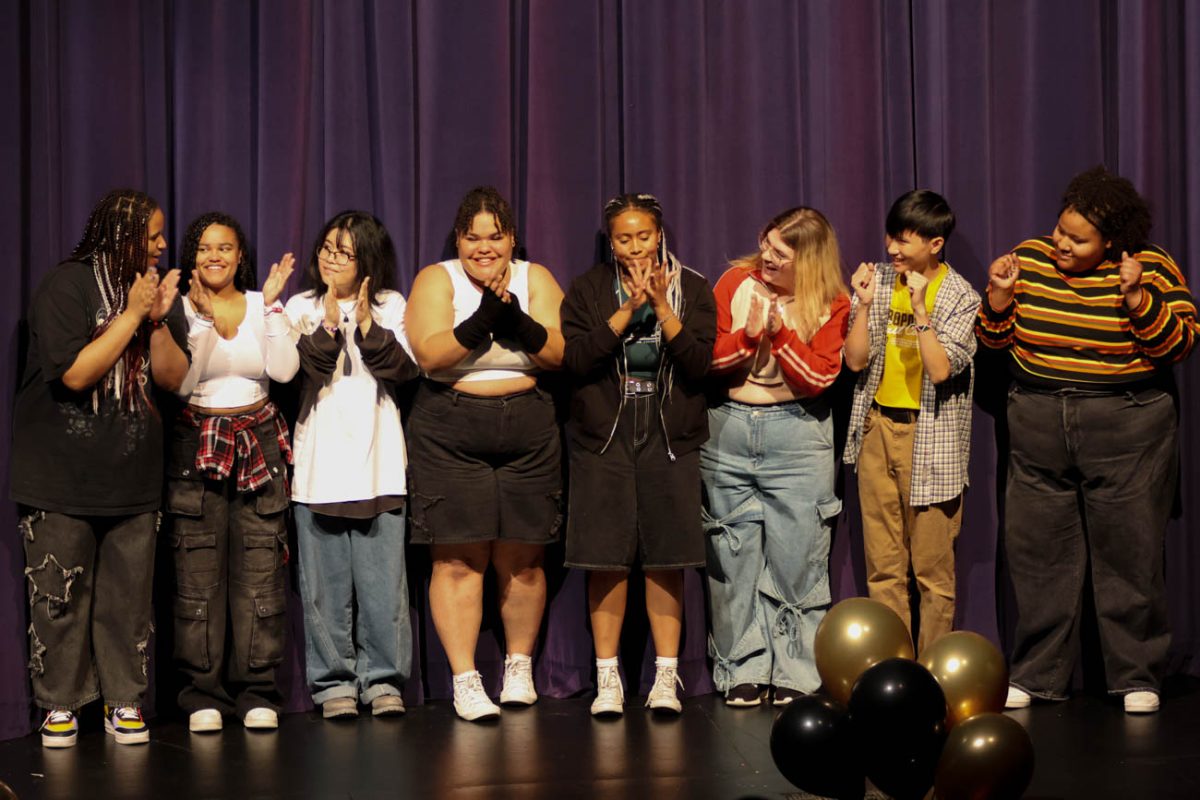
column 942, row 441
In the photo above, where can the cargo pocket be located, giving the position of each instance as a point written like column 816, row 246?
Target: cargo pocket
column 195, row 559
column 262, row 552
column 191, row 633
column 266, row 632
column 185, row 497
column 272, row 498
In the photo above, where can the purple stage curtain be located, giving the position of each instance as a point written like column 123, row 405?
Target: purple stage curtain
column 283, row 112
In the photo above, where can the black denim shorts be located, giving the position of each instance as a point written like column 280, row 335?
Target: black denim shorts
column 632, row 504
column 483, row 468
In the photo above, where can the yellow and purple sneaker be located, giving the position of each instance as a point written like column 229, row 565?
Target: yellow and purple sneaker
column 126, row 725
column 60, row 729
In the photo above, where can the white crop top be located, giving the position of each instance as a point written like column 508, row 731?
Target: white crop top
column 495, row 359
column 229, row 373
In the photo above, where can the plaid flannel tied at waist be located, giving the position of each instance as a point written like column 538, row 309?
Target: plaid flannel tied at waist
column 224, row 437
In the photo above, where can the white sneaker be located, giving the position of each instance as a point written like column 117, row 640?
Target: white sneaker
column 1141, row 702
column 518, row 681
column 204, row 721
column 610, row 696
column 470, row 700
column 1017, row 698
column 60, row 729
column 663, row 696
column 261, row 719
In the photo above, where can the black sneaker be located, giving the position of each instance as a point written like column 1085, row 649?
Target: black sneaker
column 784, row 696
column 744, row 695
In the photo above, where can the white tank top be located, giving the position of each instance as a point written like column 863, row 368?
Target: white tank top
column 495, row 359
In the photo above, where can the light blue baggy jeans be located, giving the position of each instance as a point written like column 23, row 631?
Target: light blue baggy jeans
column 346, row 563
column 768, row 475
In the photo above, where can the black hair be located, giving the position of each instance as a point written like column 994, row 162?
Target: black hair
column 485, row 199
column 923, row 212
column 1111, row 204
column 646, row 203
column 374, row 253
column 245, row 277
column 114, row 243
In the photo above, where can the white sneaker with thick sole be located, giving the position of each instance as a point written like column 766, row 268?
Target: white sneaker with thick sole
column 663, row 696
column 1017, row 698
column 261, row 719
column 1141, row 702
column 470, row 700
column 60, row 729
column 518, row 681
column 206, row 720
column 610, row 696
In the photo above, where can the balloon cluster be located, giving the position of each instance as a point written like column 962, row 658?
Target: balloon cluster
column 908, row 725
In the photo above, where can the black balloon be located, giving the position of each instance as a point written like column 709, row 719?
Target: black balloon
column 897, row 715
column 812, row 746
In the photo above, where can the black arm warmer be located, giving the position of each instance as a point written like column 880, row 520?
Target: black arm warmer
column 475, row 329
column 528, row 332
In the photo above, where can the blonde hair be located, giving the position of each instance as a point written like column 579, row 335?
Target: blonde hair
column 817, row 265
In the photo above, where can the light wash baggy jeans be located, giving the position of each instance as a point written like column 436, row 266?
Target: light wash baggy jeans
column 346, row 563
column 768, row 475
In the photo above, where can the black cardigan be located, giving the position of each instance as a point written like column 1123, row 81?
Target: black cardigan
column 592, row 356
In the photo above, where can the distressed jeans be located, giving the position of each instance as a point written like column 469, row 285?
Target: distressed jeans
column 1091, row 480
column 89, row 581
column 349, row 565
column 230, row 600
column 768, row 474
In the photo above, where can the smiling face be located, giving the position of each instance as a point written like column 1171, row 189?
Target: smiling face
column 778, row 262
column 218, row 257
column 337, row 262
column 635, row 238
column 1078, row 245
column 484, row 250
column 912, row 252
column 156, row 242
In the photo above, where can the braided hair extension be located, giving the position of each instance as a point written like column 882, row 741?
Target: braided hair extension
column 1110, row 203
column 245, row 278
column 647, row 204
column 114, row 242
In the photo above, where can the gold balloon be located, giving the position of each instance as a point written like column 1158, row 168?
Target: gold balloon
column 971, row 672
column 856, row 634
column 988, row 757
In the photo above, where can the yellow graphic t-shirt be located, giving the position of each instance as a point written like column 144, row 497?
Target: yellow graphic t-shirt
column 900, row 386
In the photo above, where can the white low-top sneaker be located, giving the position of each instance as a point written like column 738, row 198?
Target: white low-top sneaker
column 1017, row 698
column 518, row 681
column 206, row 720
column 470, row 700
column 1141, row 702
column 262, row 719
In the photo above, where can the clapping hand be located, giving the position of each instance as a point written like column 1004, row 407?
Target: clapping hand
column 277, row 279
column 863, row 282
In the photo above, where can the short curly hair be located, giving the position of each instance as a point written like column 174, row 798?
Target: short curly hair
column 246, row 276
column 1110, row 203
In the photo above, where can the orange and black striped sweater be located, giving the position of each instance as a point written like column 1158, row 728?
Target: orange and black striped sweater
column 1068, row 329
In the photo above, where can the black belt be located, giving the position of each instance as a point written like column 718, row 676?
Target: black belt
column 906, row 416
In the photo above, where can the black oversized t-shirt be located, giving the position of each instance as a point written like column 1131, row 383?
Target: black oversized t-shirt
column 67, row 456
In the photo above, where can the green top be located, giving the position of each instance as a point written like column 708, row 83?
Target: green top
column 643, row 339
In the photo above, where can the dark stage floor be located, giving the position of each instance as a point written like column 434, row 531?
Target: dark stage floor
column 1086, row 748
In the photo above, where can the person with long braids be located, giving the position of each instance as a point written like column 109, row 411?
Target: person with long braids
column 1093, row 317
column 486, row 468
column 769, row 466
column 227, row 481
column 87, row 464
column 349, row 487
column 639, row 339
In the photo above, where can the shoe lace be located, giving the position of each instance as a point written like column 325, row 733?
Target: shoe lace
column 665, row 681
column 128, row 714
column 59, row 716
column 472, row 688
column 608, row 680
column 518, row 669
